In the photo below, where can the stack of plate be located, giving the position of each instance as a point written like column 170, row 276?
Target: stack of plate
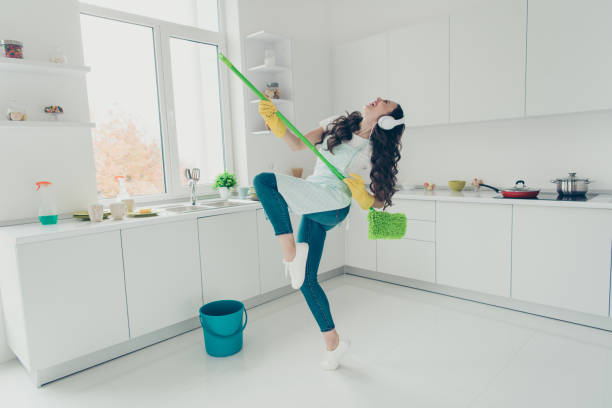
column 84, row 215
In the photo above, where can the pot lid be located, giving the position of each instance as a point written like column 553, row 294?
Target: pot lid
column 520, row 186
column 572, row 177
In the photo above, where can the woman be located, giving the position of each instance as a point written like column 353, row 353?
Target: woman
column 362, row 146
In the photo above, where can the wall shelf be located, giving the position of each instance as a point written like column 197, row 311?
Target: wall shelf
column 266, row 37
column 274, row 100
column 44, row 123
column 263, row 68
column 41, row 67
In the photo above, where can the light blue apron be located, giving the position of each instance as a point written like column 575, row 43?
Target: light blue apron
column 322, row 191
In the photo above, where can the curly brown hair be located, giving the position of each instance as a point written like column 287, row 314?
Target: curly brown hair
column 386, row 147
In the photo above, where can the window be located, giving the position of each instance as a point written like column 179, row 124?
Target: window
column 155, row 95
column 196, row 13
column 196, row 98
column 122, row 89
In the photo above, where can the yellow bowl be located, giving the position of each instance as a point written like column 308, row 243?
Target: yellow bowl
column 456, row 185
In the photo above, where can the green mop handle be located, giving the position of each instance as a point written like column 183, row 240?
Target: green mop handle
column 281, row 116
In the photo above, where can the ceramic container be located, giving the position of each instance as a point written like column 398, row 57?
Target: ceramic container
column 96, row 212
column 118, row 210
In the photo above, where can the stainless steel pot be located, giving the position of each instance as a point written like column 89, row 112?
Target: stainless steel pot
column 572, row 185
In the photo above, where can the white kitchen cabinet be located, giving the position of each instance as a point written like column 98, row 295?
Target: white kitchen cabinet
column 271, row 268
column 473, row 246
column 360, row 72
column 333, row 251
column 73, row 297
column 487, row 61
column 229, row 256
column 162, row 275
column 360, row 251
column 408, row 258
column 418, row 71
column 569, row 56
column 561, row 257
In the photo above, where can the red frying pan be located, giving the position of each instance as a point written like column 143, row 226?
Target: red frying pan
column 520, row 190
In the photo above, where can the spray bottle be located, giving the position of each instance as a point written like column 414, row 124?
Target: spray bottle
column 123, row 194
column 47, row 212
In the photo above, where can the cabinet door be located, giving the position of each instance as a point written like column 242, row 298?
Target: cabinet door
column 569, row 56
column 418, row 71
column 333, row 251
column 229, row 256
column 408, row 258
column 74, row 296
column 162, row 275
column 271, row 268
column 487, row 61
column 360, row 251
column 362, row 62
column 473, row 246
column 561, row 257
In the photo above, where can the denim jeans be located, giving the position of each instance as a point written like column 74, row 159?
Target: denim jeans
column 313, row 229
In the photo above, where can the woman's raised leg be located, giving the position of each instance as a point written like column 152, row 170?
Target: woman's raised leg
column 277, row 212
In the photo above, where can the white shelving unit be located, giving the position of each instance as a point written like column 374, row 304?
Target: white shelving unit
column 41, row 67
column 43, row 123
column 276, row 101
column 264, row 68
column 260, row 74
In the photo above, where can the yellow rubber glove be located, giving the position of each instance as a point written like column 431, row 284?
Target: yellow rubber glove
column 360, row 194
column 267, row 110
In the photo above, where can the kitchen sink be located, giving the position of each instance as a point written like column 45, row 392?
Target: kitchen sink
column 187, row 208
column 222, row 204
column 203, row 206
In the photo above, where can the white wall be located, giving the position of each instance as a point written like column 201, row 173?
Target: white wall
column 307, row 25
column 61, row 155
column 536, row 149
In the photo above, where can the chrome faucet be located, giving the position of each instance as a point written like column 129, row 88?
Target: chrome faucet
column 193, row 176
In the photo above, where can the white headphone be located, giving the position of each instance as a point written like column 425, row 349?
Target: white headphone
column 389, row 122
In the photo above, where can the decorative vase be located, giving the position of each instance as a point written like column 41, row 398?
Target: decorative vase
column 223, row 192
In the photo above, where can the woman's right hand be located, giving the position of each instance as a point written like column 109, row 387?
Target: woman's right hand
column 267, row 110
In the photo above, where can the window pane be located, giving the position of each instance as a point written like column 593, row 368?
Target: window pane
column 195, row 79
column 197, row 13
column 122, row 88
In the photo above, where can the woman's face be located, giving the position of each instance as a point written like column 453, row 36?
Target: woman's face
column 377, row 108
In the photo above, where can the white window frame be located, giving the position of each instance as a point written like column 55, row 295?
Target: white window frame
column 163, row 31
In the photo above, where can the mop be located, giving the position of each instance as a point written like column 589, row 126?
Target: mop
column 381, row 224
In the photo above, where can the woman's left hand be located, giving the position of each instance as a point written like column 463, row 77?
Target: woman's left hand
column 360, row 194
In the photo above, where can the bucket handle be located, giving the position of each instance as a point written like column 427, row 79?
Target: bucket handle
column 240, row 329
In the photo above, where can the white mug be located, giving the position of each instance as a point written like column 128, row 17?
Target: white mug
column 96, row 212
column 118, row 210
column 129, row 204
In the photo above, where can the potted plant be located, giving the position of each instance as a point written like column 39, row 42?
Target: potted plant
column 223, row 183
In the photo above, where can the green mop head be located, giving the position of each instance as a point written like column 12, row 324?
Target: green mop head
column 384, row 225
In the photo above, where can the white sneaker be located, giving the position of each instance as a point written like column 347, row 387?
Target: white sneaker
column 332, row 358
column 297, row 267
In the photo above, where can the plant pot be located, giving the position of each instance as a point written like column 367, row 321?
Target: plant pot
column 223, row 192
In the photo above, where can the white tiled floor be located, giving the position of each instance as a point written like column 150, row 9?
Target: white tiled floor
column 410, row 348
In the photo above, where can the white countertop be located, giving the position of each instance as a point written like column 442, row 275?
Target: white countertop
column 33, row 232
column 488, row 197
column 24, row 233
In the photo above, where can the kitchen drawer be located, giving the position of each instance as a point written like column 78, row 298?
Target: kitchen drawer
column 407, row 258
column 415, row 209
column 421, row 230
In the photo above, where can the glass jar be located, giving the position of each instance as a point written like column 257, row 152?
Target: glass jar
column 12, row 48
column 53, row 111
column 16, row 112
column 57, row 56
column 272, row 90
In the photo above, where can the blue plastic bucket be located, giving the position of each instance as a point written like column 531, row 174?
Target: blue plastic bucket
column 222, row 324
